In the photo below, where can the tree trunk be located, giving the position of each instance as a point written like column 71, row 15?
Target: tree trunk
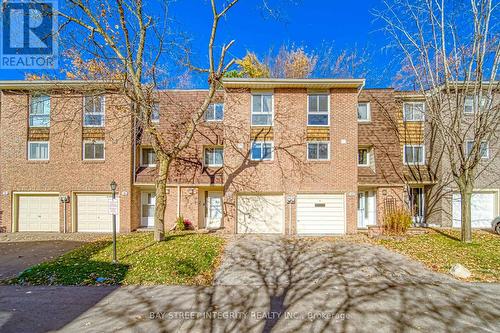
column 161, row 199
column 466, row 195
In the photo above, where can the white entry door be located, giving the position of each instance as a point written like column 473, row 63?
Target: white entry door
column 148, row 202
column 483, row 209
column 213, row 216
column 366, row 209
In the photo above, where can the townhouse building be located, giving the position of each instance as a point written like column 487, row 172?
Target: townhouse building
column 306, row 156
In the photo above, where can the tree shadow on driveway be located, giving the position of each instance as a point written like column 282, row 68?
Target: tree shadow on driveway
column 296, row 285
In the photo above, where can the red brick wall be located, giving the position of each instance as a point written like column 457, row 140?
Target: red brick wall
column 65, row 172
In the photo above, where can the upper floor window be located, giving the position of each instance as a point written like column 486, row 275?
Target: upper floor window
column 262, row 151
column 148, row 157
column 38, row 150
column 262, row 110
column 470, row 105
column 93, row 150
column 155, row 113
column 39, row 111
column 363, row 157
column 414, row 155
column 214, row 156
column 215, row 112
column 318, row 110
column 413, row 111
column 364, row 112
column 318, row 151
column 484, row 149
column 93, row 111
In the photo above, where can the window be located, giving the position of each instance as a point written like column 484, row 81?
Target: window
column 363, row 157
column 38, row 150
column 413, row 111
column 364, row 113
column 40, row 111
column 262, row 110
column 470, row 105
column 484, row 149
column 155, row 113
column 214, row 156
column 93, row 111
column 318, row 151
column 262, row 151
column 215, row 112
column 93, row 150
column 148, row 157
column 414, row 155
column 318, row 110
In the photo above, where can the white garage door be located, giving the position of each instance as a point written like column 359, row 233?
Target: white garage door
column 260, row 214
column 483, row 209
column 320, row 214
column 93, row 213
column 38, row 213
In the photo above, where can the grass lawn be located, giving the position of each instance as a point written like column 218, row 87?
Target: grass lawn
column 183, row 258
column 440, row 249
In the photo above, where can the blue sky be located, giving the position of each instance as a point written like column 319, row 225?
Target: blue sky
column 309, row 23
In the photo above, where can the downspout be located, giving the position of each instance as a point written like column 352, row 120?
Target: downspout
column 178, row 200
column 65, row 205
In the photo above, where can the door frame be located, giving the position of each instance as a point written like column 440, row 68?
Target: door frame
column 207, row 207
column 142, row 203
column 410, row 197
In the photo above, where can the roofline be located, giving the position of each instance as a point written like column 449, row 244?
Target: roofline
column 292, row 83
column 48, row 84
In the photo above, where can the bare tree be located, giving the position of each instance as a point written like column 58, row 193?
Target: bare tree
column 452, row 52
column 131, row 41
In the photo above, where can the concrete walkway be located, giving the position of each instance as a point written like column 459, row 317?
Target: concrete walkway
column 269, row 284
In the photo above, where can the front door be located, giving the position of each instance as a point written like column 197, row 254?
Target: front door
column 417, row 204
column 361, row 210
column 148, row 202
column 213, row 218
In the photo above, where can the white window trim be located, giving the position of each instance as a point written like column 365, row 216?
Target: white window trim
column 141, row 159
column 411, row 120
column 467, row 97
column 320, row 113
column 217, row 120
column 487, row 149
column 317, row 159
column 103, row 111
column 205, row 164
column 30, row 108
column 368, row 156
column 103, row 150
column 368, row 113
column 261, row 149
column 272, row 108
column 413, row 163
column 39, row 159
column 156, row 121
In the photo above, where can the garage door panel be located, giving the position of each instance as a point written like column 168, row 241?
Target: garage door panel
column 483, row 208
column 260, row 214
column 320, row 214
column 93, row 213
column 38, row 213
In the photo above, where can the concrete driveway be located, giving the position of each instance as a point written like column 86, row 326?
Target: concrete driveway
column 271, row 284
column 19, row 251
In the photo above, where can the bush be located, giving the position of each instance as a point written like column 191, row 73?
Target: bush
column 397, row 221
column 179, row 224
column 182, row 224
